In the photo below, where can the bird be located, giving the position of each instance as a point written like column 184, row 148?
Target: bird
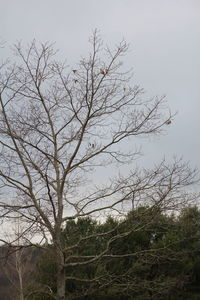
column 74, row 71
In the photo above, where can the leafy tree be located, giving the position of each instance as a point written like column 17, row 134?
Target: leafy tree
column 155, row 261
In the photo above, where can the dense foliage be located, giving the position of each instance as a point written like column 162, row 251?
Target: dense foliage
column 158, row 257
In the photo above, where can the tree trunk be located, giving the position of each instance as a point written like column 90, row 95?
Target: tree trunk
column 21, row 295
column 60, row 275
column 19, row 264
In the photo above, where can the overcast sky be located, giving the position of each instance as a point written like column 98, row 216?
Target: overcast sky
column 164, row 37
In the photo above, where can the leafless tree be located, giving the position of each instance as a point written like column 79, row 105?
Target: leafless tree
column 58, row 125
column 17, row 263
column 13, row 269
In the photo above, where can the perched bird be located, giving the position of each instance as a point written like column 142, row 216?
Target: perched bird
column 74, row 71
column 75, row 80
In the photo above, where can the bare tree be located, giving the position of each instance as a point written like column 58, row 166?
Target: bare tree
column 14, row 268
column 17, row 263
column 59, row 125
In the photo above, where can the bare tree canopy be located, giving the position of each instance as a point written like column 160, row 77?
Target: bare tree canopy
column 59, row 124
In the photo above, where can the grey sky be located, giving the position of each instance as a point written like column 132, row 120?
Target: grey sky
column 164, row 39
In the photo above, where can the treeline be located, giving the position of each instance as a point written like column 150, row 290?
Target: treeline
column 147, row 255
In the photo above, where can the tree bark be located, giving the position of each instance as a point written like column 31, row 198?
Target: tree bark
column 60, row 274
column 19, row 266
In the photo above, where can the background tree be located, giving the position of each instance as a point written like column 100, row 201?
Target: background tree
column 159, row 260
column 17, row 264
column 58, row 126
